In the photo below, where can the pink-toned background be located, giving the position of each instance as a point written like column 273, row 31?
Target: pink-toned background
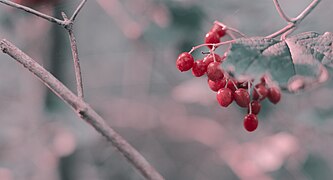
column 128, row 50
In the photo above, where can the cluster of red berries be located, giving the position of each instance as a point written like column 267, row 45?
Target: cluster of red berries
column 228, row 88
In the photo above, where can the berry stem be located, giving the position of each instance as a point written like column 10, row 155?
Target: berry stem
column 249, row 91
column 229, row 28
column 205, row 44
column 234, row 84
column 226, row 83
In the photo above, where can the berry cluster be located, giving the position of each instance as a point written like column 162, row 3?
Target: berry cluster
column 227, row 87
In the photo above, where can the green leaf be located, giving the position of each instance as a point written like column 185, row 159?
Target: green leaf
column 300, row 58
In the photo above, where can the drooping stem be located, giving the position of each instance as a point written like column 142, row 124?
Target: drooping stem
column 83, row 110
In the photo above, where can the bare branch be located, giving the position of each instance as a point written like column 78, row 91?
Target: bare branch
column 77, row 67
column 83, row 110
column 76, row 60
column 32, row 11
column 281, row 13
column 78, row 9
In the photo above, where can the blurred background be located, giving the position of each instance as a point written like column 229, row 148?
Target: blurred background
column 128, row 50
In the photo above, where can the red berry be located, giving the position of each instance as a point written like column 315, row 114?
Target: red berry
column 231, row 85
column 260, row 92
column 214, row 71
column 255, row 107
column 274, row 95
column 199, row 68
column 212, row 38
column 224, row 97
column 216, row 85
column 218, row 30
column 210, row 58
column 250, row 122
column 242, row 97
column 185, row 61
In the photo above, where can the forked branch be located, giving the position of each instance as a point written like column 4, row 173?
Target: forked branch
column 67, row 23
column 292, row 23
column 83, row 110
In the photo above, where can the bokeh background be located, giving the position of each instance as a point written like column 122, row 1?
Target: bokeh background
column 128, row 50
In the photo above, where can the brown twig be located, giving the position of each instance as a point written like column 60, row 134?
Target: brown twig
column 34, row 12
column 83, row 110
column 78, row 9
column 76, row 60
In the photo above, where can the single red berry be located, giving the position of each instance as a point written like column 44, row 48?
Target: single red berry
column 212, row 38
column 242, row 97
column 210, row 58
column 185, row 61
column 274, row 95
column 214, row 71
column 250, row 122
column 199, row 68
column 232, row 84
column 255, row 107
column 224, row 97
column 218, row 30
column 216, row 85
column 260, row 92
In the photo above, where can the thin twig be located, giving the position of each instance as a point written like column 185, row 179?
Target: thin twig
column 32, row 11
column 78, row 9
column 281, row 31
column 306, row 11
column 76, row 60
column 281, row 13
column 83, row 110
column 295, row 21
